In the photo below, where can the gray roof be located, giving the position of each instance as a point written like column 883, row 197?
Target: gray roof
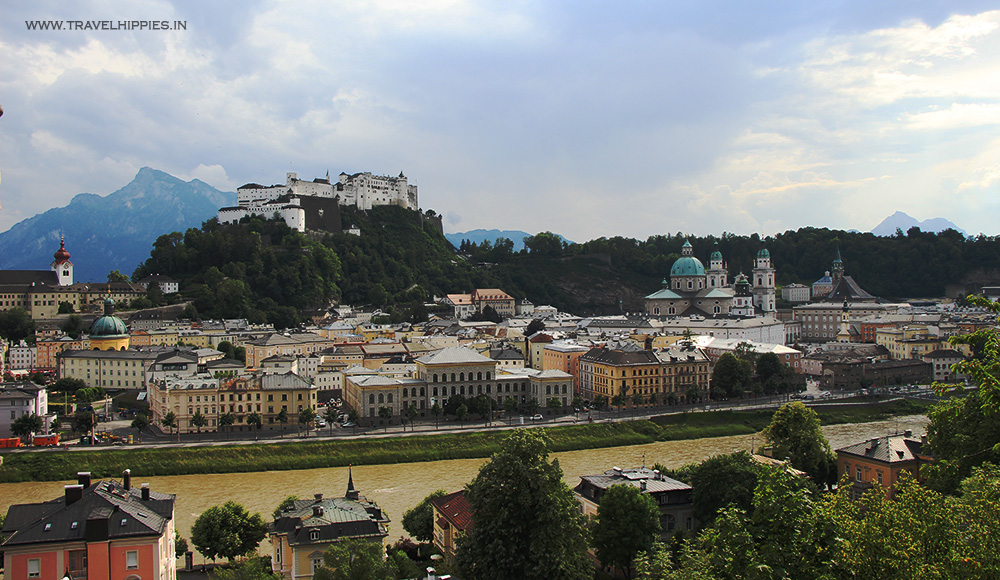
column 655, row 482
column 53, row 521
column 330, row 519
column 454, row 355
column 888, row 449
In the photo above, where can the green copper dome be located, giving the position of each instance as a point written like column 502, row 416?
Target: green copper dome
column 687, row 266
column 108, row 325
column 763, row 253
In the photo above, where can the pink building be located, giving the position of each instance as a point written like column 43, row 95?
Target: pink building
column 105, row 529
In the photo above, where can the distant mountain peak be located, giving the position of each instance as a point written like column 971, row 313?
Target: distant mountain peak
column 902, row 221
column 113, row 231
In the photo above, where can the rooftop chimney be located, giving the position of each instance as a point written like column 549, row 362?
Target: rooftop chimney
column 642, row 485
column 908, row 433
column 127, row 479
column 317, row 511
column 318, row 496
column 83, row 478
column 74, row 493
column 145, row 492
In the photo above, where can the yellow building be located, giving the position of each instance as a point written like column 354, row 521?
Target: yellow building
column 118, row 369
column 452, row 516
column 305, row 529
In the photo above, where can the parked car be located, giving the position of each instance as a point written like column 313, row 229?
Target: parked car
column 346, row 424
column 825, row 395
column 320, row 423
column 536, row 417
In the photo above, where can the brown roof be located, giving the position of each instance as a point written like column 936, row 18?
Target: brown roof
column 455, row 508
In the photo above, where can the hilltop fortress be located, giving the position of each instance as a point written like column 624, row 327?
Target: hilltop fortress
column 315, row 204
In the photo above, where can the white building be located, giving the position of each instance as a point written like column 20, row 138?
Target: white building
column 21, row 357
column 22, row 398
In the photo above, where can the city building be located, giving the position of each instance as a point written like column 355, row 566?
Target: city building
column 821, row 320
column 672, row 497
column 104, row 529
column 23, row 398
column 109, row 369
column 305, row 529
column 879, row 462
column 452, row 517
column 795, row 293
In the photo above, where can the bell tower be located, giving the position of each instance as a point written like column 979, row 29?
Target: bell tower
column 62, row 266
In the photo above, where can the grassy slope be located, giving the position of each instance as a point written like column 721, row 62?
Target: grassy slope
column 55, row 465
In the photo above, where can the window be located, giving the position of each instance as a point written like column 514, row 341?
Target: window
column 132, row 560
column 859, row 474
column 34, row 568
column 314, row 535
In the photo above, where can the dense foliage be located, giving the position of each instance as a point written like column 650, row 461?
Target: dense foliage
column 263, row 270
column 526, row 522
column 418, row 521
column 628, row 522
column 228, row 531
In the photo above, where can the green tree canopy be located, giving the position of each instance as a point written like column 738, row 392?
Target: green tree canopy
column 962, row 434
column 256, row 568
column 526, row 522
column 16, row 325
column 227, row 531
column 418, row 521
column 285, row 503
column 354, row 559
column 739, row 472
column 26, row 425
column 730, row 376
column 795, row 433
column 628, row 522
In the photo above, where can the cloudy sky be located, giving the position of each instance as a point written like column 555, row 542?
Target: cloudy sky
column 584, row 118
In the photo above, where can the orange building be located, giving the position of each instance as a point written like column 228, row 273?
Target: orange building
column 880, row 461
column 47, row 351
column 452, row 518
column 105, row 529
column 565, row 357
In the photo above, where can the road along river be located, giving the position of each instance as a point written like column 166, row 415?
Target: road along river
column 398, row 487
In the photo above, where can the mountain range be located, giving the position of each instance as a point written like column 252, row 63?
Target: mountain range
column 479, row 236
column 115, row 231
column 903, row 222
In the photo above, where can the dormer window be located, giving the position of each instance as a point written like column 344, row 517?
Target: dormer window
column 47, row 527
column 313, row 535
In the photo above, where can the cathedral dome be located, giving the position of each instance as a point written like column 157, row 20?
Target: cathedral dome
column 687, row 266
column 716, row 256
column 763, row 253
column 61, row 254
column 108, row 325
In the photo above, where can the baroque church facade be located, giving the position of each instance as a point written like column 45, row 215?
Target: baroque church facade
column 693, row 290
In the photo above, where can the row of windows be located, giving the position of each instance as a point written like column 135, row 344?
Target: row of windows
column 461, row 377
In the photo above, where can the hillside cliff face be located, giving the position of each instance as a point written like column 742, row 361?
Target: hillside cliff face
column 113, row 232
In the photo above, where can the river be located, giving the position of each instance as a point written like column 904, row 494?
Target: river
column 398, row 487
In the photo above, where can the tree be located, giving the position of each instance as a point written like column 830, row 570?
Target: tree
column 73, row 326
column 436, row 411
column 307, row 417
column 619, row 401
column 385, row 414
column 526, row 522
column 628, row 522
column 510, row 407
column 461, row 412
column 256, row 421
column 65, row 307
column 227, row 419
column 769, row 366
column 84, row 421
column 962, row 435
column 531, row 406
column 26, row 425
column 227, row 531
column 984, row 366
column 285, row 503
column 795, row 433
column 154, row 294
column 331, row 417
column 114, row 276
column 68, row 385
column 226, row 348
column 88, row 395
column 730, row 377
column 534, row 326
column 16, row 325
column 140, row 422
column 554, row 404
column 256, row 568
column 199, row 421
column 169, row 420
column 354, row 559
column 418, row 521
column 741, row 474
column 180, row 544
column 282, row 417
column 411, row 414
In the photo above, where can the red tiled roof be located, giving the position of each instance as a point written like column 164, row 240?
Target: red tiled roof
column 455, row 508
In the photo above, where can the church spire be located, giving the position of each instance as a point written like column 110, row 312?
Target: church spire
column 351, row 492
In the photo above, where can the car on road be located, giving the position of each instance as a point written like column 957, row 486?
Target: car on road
column 536, row 417
column 347, row 424
column 825, row 395
column 320, row 423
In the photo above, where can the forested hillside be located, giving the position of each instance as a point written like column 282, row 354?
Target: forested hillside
column 263, row 270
